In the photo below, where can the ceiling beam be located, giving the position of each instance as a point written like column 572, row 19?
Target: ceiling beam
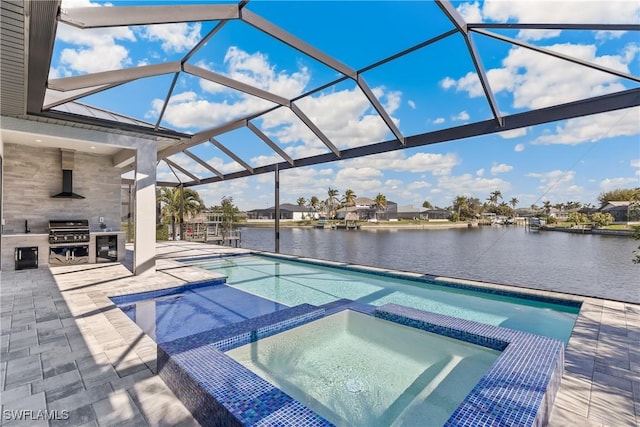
column 596, row 105
column 181, row 169
column 454, row 16
column 559, row 55
column 551, row 26
column 291, row 40
column 114, row 76
column 121, row 16
column 204, row 164
column 270, row 143
column 380, row 109
column 53, row 98
column 231, row 154
column 123, row 158
column 312, row 126
column 234, row 84
column 458, row 21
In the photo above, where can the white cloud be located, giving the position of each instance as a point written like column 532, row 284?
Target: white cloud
column 462, row 115
column 480, row 172
column 634, row 163
column 218, row 104
column 468, row 185
column 393, row 184
column 345, row 117
column 558, row 185
column 471, row 12
column 593, row 128
column 417, row 185
column 519, row 148
column 411, row 104
column 188, row 109
column 537, row 80
column 95, row 49
column 437, row 164
column 501, row 168
column 515, row 133
column 439, row 120
column 178, row 37
column 448, row 83
column 608, row 184
column 358, row 173
column 621, row 11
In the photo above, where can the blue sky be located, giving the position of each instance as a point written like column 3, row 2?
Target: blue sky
column 429, row 89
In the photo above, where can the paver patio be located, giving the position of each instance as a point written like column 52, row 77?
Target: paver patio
column 64, row 347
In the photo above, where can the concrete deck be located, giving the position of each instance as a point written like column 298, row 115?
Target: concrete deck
column 64, row 348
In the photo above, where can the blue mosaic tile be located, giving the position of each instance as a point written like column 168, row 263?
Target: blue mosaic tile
column 130, row 298
column 233, row 395
column 520, row 386
column 246, row 331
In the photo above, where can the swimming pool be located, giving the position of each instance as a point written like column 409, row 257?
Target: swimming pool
column 189, row 310
column 266, row 300
column 291, row 282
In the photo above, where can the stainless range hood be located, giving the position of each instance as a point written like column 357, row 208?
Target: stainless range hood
column 67, row 159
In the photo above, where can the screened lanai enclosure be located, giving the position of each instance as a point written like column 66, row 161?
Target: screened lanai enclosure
column 247, row 117
column 227, row 90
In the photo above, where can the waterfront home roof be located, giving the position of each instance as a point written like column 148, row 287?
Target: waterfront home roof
column 364, row 201
column 616, row 204
column 286, row 207
column 408, row 209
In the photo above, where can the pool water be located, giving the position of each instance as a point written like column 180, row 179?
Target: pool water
column 291, row 283
column 355, row 369
column 184, row 312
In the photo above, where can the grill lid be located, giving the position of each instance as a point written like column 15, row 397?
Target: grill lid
column 68, row 224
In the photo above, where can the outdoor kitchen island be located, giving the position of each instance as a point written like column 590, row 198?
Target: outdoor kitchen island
column 41, row 241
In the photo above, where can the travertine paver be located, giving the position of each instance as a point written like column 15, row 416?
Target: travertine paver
column 64, row 347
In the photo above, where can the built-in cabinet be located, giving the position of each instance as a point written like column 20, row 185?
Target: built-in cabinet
column 107, row 248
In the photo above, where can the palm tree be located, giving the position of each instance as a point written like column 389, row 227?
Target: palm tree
column 333, row 197
column 380, row 202
column 170, row 200
column 301, row 201
column 313, row 203
column 460, row 203
column 494, row 196
column 427, row 205
column 547, row 207
column 349, row 198
column 514, row 202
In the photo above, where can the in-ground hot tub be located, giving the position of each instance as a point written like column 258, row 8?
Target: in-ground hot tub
column 356, row 369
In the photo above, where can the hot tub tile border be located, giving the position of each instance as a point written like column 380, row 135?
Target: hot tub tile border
column 519, row 388
column 233, row 395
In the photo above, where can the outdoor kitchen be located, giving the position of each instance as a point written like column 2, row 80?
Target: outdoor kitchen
column 61, row 207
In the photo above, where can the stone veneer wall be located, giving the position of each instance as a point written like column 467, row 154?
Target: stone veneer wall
column 33, row 174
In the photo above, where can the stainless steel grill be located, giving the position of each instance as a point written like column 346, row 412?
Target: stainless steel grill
column 68, row 231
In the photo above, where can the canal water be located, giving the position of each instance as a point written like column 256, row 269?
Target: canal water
column 592, row 265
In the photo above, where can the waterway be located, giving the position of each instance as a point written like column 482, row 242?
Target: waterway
column 592, row 265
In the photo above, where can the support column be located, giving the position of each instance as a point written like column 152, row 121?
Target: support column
column 144, row 254
column 181, row 212
column 277, row 197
